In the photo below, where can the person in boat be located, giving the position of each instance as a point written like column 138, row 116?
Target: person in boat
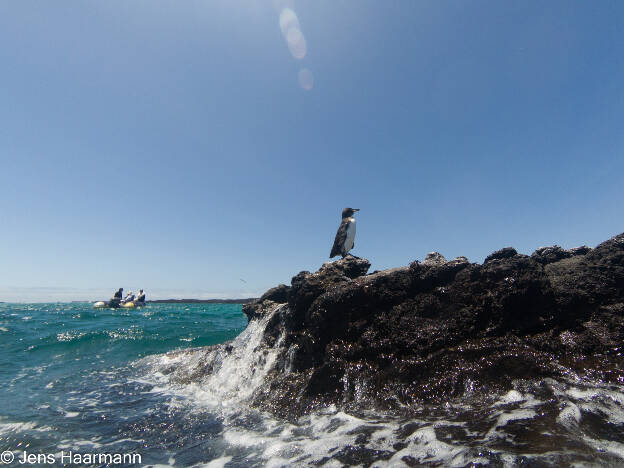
column 141, row 296
column 129, row 297
column 116, row 299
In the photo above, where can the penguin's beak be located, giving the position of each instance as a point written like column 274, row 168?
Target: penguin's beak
column 356, row 209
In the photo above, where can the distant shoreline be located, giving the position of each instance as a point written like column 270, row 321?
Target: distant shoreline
column 202, row 301
column 156, row 301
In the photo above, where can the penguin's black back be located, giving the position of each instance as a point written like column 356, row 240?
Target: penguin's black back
column 341, row 236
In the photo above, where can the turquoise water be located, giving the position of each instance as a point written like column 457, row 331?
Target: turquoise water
column 70, row 377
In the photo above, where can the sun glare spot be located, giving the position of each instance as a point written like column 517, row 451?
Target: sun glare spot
column 296, row 43
column 306, row 79
column 291, row 30
column 288, row 19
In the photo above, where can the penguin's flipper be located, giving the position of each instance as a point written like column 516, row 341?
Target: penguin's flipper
column 339, row 241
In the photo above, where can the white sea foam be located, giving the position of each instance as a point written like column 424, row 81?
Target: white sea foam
column 571, row 414
column 235, row 375
column 513, row 396
column 79, row 444
column 216, row 463
column 509, row 416
column 171, row 462
column 17, row 427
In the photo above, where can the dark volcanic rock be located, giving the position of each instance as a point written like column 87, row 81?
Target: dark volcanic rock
column 552, row 254
column 306, row 286
column 278, row 294
column 582, row 250
column 439, row 329
column 434, row 258
column 507, row 252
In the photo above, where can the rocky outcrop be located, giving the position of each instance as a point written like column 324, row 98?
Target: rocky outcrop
column 441, row 329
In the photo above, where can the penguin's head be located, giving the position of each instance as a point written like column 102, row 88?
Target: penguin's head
column 348, row 212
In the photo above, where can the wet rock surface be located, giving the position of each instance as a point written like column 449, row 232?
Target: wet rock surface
column 441, row 329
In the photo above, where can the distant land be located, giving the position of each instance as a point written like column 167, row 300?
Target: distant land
column 203, row 301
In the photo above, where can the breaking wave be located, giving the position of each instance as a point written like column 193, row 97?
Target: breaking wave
column 546, row 422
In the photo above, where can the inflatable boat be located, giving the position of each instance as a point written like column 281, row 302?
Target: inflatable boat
column 117, row 305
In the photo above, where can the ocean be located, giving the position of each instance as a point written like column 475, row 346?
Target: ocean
column 82, row 382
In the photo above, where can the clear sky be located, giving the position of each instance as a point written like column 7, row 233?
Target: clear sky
column 184, row 147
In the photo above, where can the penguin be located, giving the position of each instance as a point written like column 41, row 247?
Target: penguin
column 345, row 235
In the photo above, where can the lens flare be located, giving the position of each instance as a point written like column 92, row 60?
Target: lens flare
column 296, row 43
column 306, row 79
column 287, row 20
column 291, row 30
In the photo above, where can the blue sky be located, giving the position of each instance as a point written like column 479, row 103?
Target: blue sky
column 172, row 145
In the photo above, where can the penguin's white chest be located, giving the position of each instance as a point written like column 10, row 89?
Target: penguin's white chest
column 348, row 245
